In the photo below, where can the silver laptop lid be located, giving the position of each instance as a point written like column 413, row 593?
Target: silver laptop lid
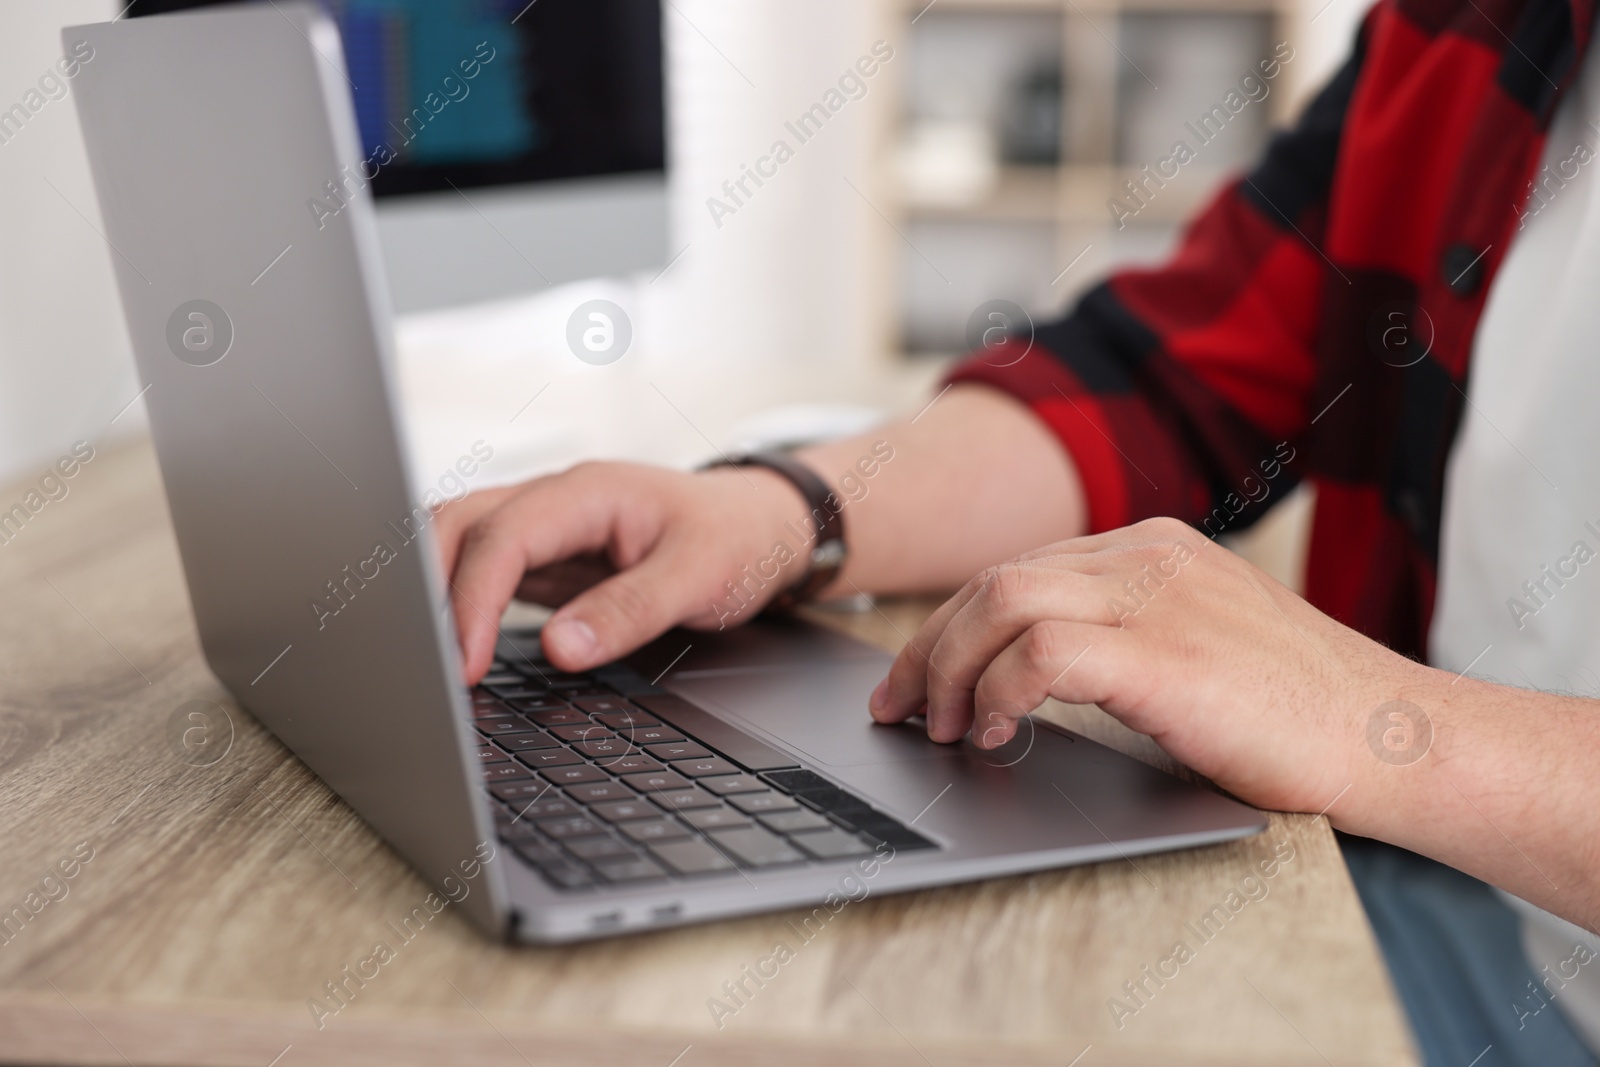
column 263, row 331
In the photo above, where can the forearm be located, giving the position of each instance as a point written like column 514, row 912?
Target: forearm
column 974, row 479
column 1508, row 791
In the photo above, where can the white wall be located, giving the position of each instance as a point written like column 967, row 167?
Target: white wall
column 64, row 365
column 798, row 273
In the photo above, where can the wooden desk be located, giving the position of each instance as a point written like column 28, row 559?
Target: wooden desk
column 218, row 900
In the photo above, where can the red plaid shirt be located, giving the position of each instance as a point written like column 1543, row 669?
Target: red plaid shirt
column 1317, row 320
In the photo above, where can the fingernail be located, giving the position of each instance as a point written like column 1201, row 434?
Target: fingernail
column 880, row 697
column 572, row 640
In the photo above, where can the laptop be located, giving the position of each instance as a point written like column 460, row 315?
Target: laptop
column 707, row 776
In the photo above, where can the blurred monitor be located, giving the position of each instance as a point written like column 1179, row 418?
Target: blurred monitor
column 547, row 164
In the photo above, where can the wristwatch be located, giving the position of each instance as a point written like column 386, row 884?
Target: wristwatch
column 828, row 549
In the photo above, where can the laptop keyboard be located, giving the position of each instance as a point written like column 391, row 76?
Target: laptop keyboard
column 603, row 778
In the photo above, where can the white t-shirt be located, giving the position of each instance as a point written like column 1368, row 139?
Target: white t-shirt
column 1519, row 576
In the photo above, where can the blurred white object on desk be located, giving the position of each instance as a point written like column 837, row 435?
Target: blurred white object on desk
column 794, row 425
column 506, row 373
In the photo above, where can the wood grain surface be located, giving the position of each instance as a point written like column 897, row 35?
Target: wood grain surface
column 206, row 906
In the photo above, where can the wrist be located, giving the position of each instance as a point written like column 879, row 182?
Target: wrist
column 1429, row 753
column 1395, row 743
column 820, row 530
column 770, row 557
column 1502, row 792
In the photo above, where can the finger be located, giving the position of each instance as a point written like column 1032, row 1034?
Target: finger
column 1014, row 598
column 623, row 612
column 904, row 691
column 452, row 521
column 549, row 520
column 1075, row 662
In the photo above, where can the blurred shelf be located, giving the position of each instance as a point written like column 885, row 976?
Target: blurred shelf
column 1021, row 194
column 976, row 87
column 1086, row 189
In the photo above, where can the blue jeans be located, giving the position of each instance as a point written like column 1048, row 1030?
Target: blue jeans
column 1454, row 951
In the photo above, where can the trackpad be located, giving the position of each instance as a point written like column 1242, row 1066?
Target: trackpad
column 819, row 709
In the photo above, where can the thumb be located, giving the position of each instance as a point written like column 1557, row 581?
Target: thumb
column 623, row 612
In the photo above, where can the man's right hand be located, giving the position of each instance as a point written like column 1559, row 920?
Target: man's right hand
column 624, row 551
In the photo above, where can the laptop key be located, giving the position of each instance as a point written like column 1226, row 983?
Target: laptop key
column 714, row 818
column 490, row 754
column 684, row 799
column 518, row 647
column 584, row 731
column 634, row 764
column 518, row 691
column 830, row 844
column 518, row 831
column 539, row 852
column 690, row 855
column 798, row 780
column 608, row 704
column 726, row 738
column 896, row 836
column 562, row 716
column 652, row 783
column 789, row 822
column 491, row 710
column 530, row 667
column 601, row 849
column 606, row 749
column 864, row 818
column 624, row 721
column 545, row 807
column 756, row 803
column 704, row 768
column 538, row 705
column 504, row 772
column 752, row 846
column 650, row 735
column 596, row 792
column 573, row 774
column 521, row 791
column 549, row 757
column 653, row 830
column 672, row 750
column 626, row 810
column 638, row 870
column 526, row 742
column 733, row 783
column 570, row 826
column 829, row 798
column 505, row 724
column 567, row 875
